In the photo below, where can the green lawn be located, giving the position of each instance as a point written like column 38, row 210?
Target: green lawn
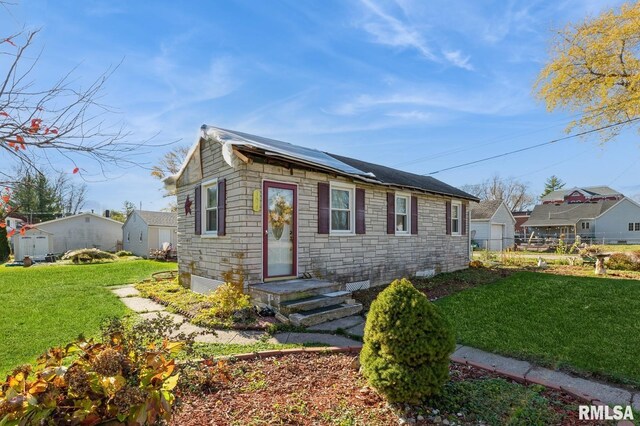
column 44, row 306
column 586, row 325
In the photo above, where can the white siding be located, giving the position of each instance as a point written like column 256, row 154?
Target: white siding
column 482, row 232
column 134, row 227
column 132, row 230
column 613, row 225
column 154, row 236
column 487, row 233
column 503, row 217
column 25, row 245
column 83, row 231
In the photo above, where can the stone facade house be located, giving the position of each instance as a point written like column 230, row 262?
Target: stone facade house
column 260, row 210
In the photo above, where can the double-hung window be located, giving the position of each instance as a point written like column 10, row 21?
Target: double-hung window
column 342, row 208
column 210, row 207
column 630, row 226
column 456, row 209
column 402, row 214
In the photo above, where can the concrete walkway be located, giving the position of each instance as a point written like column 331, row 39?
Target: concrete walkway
column 525, row 372
column 521, row 371
column 147, row 308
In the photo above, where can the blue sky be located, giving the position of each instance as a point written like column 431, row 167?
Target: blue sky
column 417, row 85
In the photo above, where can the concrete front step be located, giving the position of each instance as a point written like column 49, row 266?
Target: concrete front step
column 324, row 314
column 275, row 293
column 314, row 302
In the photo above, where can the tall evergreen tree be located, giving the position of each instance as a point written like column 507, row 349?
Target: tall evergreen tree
column 553, row 183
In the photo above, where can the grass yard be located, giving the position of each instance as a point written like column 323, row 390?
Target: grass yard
column 581, row 324
column 44, row 306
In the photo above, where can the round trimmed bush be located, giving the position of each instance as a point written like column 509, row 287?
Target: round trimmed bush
column 407, row 343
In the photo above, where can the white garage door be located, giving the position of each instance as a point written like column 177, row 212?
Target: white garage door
column 164, row 236
column 34, row 246
column 495, row 244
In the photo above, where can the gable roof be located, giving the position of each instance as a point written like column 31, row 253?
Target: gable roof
column 485, row 210
column 151, row 218
column 589, row 191
column 387, row 175
column 319, row 160
column 567, row 214
column 75, row 216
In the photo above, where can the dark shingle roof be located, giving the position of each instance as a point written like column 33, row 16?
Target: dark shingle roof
column 567, row 214
column 369, row 172
column 590, row 190
column 485, row 209
column 391, row 176
column 159, row 218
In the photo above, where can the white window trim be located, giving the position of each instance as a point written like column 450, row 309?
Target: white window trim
column 203, row 209
column 407, row 196
column 352, row 207
column 459, row 231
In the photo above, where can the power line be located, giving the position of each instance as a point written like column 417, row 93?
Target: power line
column 493, row 157
column 594, row 113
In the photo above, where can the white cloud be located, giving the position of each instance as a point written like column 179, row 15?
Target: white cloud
column 390, row 30
column 457, row 59
column 502, row 100
column 414, row 115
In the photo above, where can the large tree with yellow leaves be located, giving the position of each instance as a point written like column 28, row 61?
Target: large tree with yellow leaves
column 594, row 71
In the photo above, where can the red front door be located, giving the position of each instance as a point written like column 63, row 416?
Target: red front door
column 279, row 230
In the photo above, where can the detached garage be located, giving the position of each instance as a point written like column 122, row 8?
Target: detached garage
column 35, row 243
column 85, row 230
column 144, row 231
column 492, row 225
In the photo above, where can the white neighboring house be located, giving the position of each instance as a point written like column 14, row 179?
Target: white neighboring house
column 13, row 223
column 146, row 230
column 492, row 225
column 84, row 230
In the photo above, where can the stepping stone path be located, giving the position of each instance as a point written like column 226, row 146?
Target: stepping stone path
column 147, row 308
column 354, row 325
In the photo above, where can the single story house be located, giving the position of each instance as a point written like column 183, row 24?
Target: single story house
column 145, row 230
column 267, row 210
column 84, row 230
column 602, row 221
column 492, row 225
column 14, row 222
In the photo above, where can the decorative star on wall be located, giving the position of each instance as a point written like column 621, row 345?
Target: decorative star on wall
column 187, row 206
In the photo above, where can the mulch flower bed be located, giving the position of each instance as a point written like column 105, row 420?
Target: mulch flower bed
column 327, row 389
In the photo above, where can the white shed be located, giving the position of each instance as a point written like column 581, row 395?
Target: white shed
column 34, row 243
column 84, row 230
column 146, row 230
column 492, row 225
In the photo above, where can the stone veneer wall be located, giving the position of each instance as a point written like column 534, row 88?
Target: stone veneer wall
column 375, row 256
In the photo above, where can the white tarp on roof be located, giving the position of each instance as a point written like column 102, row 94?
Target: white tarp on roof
column 279, row 148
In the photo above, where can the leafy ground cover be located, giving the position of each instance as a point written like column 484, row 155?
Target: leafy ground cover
column 585, row 325
column 326, row 389
column 46, row 306
column 442, row 284
column 198, row 307
column 213, row 350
